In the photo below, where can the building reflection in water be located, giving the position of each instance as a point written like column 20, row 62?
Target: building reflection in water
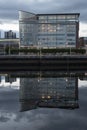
column 49, row 92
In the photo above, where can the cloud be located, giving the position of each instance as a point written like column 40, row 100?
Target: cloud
column 9, row 9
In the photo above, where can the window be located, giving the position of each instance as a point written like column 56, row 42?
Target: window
column 71, row 43
column 70, row 16
column 60, row 27
column 71, row 28
column 61, row 17
column 71, row 35
column 42, row 17
column 70, row 39
column 52, row 17
column 61, row 43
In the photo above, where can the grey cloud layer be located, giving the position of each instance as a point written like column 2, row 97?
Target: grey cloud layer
column 9, row 9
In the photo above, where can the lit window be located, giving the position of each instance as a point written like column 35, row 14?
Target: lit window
column 70, row 16
column 61, row 17
column 43, row 97
column 48, row 97
column 52, row 17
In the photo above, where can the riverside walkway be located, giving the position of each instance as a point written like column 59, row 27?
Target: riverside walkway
column 25, row 63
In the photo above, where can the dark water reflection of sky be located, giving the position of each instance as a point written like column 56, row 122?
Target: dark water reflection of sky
column 42, row 118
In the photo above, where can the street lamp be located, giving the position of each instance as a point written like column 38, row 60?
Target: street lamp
column 39, row 46
column 9, row 48
column 4, row 49
column 69, row 47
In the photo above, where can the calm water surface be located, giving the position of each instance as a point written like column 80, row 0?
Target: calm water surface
column 42, row 118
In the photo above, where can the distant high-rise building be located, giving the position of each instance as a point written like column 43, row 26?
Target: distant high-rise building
column 49, row 30
column 8, row 43
column 10, row 35
column 83, row 42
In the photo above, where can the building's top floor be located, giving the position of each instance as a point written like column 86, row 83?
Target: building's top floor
column 50, row 13
column 10, row 34
column 60, row 16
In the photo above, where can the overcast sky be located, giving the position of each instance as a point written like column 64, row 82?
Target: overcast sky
column 9, row 11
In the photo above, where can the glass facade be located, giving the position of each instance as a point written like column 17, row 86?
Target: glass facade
column 48, row 30
column 28, row 28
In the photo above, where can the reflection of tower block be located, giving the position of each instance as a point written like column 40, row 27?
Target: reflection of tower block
column 9, row 79
column 28, row 93
column 0, row 78
column 57, row 92
column 28, row 88
column 72, row 88
column 48, row 92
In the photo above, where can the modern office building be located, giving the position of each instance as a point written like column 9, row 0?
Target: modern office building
column 48, row 30
column 10, row 35
column 48, row 92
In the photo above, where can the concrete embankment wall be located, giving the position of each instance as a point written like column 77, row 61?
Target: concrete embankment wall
column 43, row 63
